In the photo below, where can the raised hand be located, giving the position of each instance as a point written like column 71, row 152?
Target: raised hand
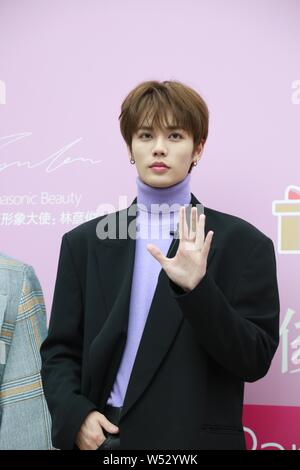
column 188, row 266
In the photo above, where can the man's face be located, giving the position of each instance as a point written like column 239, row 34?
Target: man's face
column 171, row 146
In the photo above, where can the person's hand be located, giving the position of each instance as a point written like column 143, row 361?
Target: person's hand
column 188, row 267
column 90, row 435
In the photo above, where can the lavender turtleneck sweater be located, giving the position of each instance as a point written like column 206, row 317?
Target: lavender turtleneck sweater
column 153, row 226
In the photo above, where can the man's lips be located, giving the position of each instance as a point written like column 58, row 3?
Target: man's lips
column 159, row 169
column 159, row 165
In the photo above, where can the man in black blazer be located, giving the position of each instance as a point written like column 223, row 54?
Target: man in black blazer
column 212, row 325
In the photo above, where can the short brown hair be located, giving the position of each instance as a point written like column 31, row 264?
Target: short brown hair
column 152, row 100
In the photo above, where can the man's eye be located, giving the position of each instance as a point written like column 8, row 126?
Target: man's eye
column 173, row 133
column 176, row 133
column 145, row 133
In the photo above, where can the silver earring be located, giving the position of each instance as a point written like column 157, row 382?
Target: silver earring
column 132, row 161
column 195, row 163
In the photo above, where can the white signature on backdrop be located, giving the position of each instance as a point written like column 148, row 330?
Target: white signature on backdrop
column 52, row 163
column 290, row 342
column 295, row 97
column 266, row 445
column 2, row 92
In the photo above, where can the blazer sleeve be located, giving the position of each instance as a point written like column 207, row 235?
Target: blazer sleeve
column 241, row 335
column 61, row 355
column 25, row 417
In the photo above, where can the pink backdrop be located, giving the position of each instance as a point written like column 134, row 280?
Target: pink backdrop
column 66, row 66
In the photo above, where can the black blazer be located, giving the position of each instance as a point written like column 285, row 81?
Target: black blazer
column 197, row 349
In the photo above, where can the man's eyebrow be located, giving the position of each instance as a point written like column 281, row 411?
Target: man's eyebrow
column 145, row 128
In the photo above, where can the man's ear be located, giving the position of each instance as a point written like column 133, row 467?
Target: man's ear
column 199, row 150
column 129, row 152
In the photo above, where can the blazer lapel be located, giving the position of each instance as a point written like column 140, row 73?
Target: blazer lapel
column 115, row 263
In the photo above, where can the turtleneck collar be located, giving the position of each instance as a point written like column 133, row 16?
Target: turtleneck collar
column 177, row 195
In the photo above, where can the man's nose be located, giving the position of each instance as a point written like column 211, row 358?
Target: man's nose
column 159, row 147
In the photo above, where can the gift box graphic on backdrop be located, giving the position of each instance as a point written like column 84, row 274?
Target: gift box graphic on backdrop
column 288, row 213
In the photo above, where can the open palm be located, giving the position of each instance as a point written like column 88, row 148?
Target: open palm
column 188, row 266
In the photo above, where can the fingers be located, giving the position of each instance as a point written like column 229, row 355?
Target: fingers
column 107, row 425
column 99, row 439
column 91, row 434
column 200, row 232
column 183, row 228
column 156, row 253
column 207, row 244
column 193, row 224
